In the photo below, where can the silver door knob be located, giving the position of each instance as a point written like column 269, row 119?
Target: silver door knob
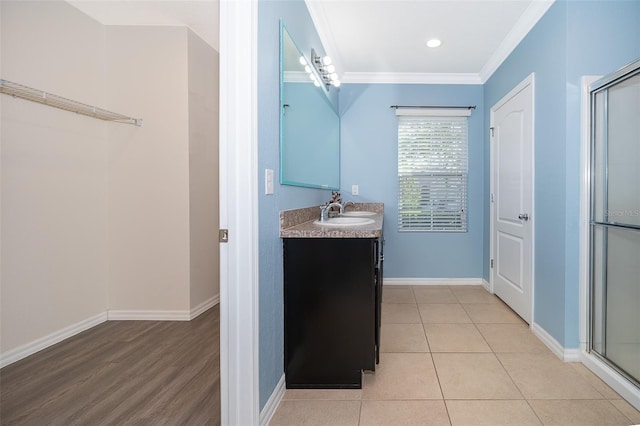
column 523, row 216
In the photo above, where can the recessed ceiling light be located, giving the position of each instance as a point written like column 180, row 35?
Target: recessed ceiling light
column 434, row 42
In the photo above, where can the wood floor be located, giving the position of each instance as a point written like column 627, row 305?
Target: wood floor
column 120, row 373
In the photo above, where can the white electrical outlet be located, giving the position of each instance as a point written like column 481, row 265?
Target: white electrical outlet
column 268, row 182
column 354, row 189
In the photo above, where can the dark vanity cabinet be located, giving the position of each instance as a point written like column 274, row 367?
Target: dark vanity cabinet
column 332, row 296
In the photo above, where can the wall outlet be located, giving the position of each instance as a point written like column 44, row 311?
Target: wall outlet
column 354, row 189
column 268, row 182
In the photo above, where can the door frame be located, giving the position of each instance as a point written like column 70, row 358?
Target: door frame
column 528, row 81
column 239, row 374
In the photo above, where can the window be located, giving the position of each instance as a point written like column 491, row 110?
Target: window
column 432, row 171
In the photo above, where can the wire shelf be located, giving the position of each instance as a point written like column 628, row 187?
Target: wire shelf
column 35, row 95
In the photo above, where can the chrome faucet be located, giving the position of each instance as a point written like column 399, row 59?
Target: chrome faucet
column 345, row 204
column 324, row 210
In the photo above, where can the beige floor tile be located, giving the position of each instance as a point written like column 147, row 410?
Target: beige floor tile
column 511, row 338
column 473, row 376
column 491, row 413
column 400, row 313
column 628, row 410
column 397, row 295
column 403, row 338
column 402, row 376
column 544, row 376
column 405, row 413
column 492, row 313
column 443, row 313
column 428, row 294
column 316, row 413
column 595, row 381
column 473, row 294
column 327, row 394
column 402, row 287
column 578, row 412
column 455, row 338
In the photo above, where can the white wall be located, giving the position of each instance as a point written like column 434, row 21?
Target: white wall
column 148, row 221
column 53, row 174
column 203, row 170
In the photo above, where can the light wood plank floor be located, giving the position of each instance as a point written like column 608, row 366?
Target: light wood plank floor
column 120, row 373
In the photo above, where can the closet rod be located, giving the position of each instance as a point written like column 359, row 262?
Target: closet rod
column 35, row 95
column 433, row 106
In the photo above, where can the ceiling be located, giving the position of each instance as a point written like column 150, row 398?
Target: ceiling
column 371, row 40
column 385, row 40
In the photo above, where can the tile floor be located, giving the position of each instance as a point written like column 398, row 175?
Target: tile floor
column 458, row 355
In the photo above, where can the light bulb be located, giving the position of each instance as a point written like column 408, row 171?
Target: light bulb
column 336, row 83
column 434, row 43
column 302, row 60
column 312, row 77
column 333, row 76
column 330, row 68
column 316, row 83
column 307, row 68
column 326, row 60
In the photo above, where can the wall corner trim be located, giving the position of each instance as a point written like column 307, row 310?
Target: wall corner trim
column 204, row 306
column 272, row 403
column 566, row 355
column 44, row 342
column 435, row 281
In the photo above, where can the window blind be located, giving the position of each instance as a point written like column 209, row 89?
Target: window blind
column 432, row 173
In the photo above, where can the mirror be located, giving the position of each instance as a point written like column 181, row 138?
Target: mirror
column 309, row 125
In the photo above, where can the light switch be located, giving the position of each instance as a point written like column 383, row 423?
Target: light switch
column 354, row 189
column 268, row 181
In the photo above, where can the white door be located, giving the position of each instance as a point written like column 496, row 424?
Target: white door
column 512, row 198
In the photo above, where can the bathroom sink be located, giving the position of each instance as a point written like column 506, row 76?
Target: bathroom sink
column 345, row 221
column 357, row 214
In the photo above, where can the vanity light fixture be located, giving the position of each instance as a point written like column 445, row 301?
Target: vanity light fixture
column 434, row 42
column 325, row 69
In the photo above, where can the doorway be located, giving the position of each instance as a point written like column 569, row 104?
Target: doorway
column 512, row 221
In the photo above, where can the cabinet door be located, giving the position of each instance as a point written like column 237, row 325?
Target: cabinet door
column 329, row 291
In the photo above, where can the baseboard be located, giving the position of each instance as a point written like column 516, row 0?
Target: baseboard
column 433, row 281
column 122, row 315
column 204, row 306
column 572, row 355
column 566, row 355
column 486, row 285
column 618, row 383
column 272, row 403
column 37, row 345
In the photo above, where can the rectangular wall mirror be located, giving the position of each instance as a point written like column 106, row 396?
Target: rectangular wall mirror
column 309, row 125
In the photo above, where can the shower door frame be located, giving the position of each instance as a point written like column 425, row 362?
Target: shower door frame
column 599, row 86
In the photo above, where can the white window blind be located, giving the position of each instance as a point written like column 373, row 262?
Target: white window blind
column 432, row 173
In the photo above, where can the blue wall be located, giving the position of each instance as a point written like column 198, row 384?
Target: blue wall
column 296, row 17
column 369, row 158
column 602, row 36
column 572, row 39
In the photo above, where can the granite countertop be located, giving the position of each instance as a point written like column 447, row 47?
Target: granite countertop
column 299, row 223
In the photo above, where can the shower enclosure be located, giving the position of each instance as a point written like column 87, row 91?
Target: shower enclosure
column 615, row 221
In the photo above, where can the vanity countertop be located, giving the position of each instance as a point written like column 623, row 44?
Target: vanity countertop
column 299, row 223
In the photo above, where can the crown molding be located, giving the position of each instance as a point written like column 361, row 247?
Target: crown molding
column 410, row 78
column 527, row 21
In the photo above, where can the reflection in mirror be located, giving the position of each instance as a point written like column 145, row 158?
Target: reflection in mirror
column 309, row 125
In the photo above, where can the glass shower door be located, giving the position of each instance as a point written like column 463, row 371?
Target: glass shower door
column 615, row 221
